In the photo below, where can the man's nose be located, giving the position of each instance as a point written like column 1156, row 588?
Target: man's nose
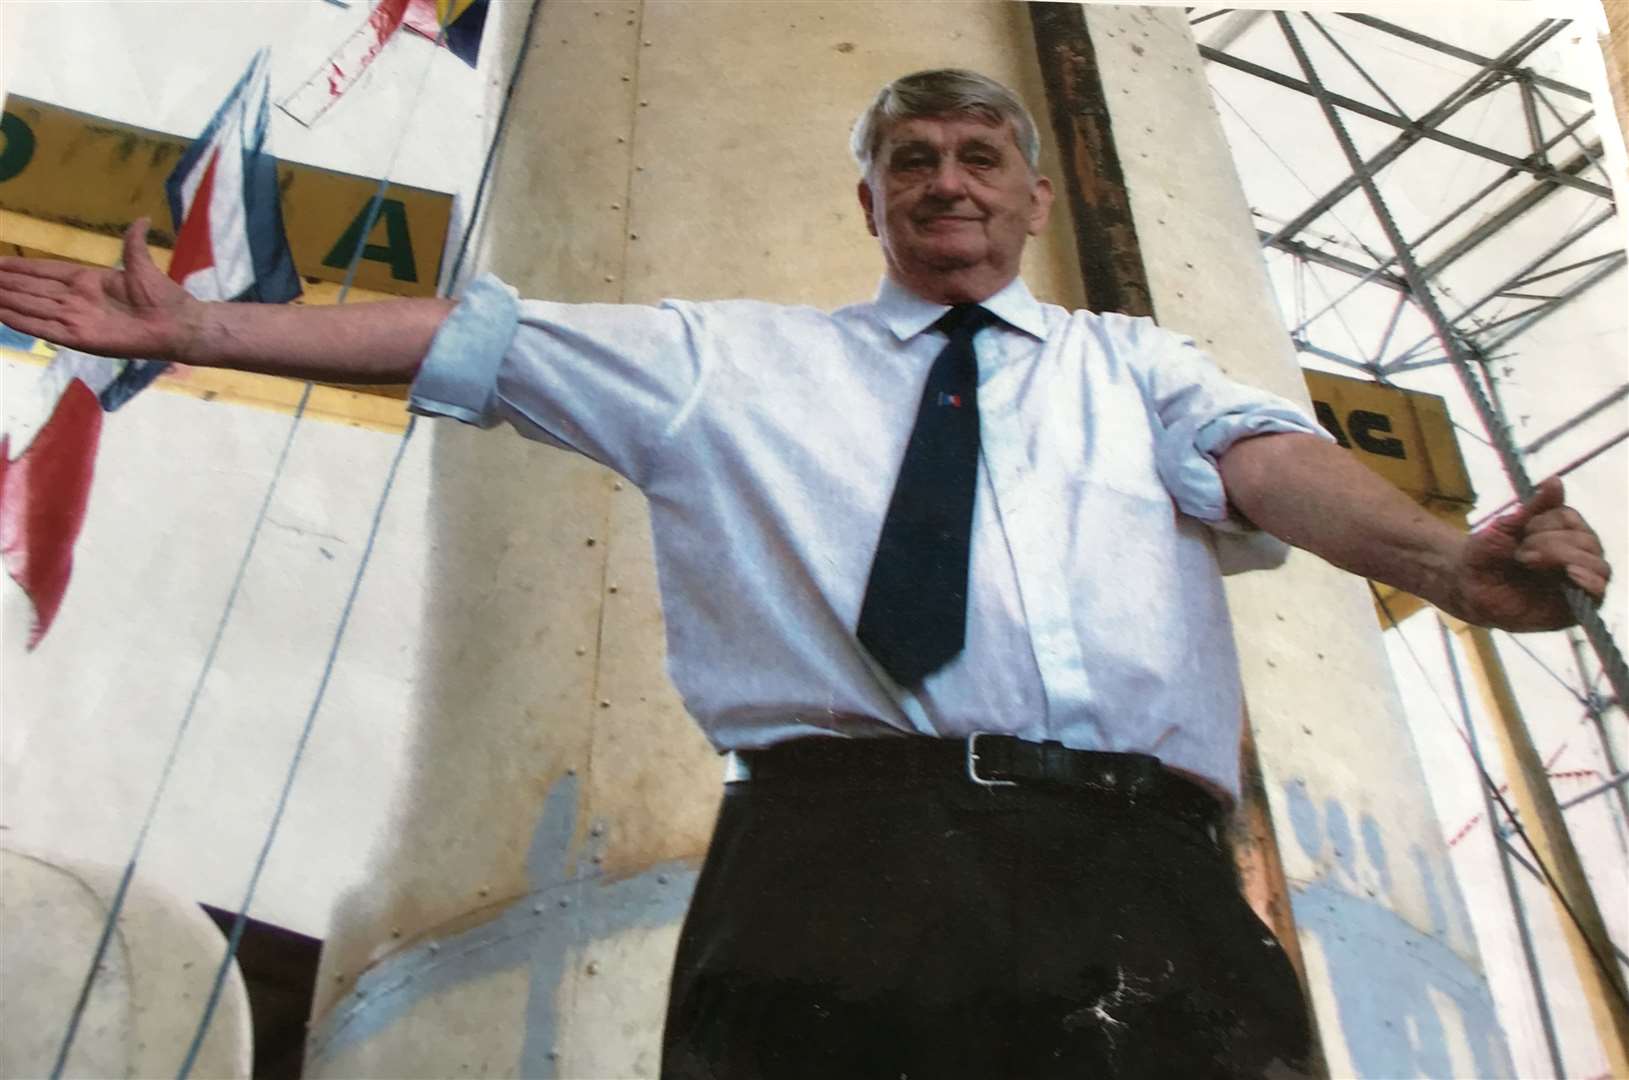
column 949, row 181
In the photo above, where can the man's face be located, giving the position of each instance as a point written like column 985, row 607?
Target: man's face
column 952, row 200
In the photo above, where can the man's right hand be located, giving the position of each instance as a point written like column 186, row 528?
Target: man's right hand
column 135, row 312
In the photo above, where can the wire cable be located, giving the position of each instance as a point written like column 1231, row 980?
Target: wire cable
column 1606, row 966
column 240, row 921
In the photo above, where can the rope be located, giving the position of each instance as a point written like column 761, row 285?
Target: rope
column 117, row 904
column 240, row 921
column 1495, row 791
column 1577, row 601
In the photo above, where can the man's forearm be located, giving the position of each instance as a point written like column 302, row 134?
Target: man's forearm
column 354, row 343
column 1316, row 496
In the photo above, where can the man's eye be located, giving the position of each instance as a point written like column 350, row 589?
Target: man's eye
column 910, row 162
column 982, row 161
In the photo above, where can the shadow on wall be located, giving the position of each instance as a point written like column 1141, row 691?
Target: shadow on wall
column 1387, row 998
column 502, row 697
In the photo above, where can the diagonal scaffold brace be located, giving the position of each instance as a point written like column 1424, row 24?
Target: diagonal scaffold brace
column 1463, row 357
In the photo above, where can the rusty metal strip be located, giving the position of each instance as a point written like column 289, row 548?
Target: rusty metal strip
column 1111, row 262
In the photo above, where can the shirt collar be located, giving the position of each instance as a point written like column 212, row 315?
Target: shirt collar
column 907, row 314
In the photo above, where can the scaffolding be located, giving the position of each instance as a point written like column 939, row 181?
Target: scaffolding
column 1374, row 284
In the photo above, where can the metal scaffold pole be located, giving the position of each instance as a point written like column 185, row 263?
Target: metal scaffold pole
column 1491, row 811
column 1580, row 916
column 1458, row 352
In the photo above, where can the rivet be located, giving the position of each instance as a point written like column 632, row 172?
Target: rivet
column 647, row 43
column 554, row 1055
column 483, row 890
column 638, row 168
column 627, row 78
column 609, row 279
column 618, row 485
column 580, row 652
column 620, row 139
column 395, row 931
column 435, row 947
column 340, row 977
column 564, row 901
column 593, row 967
column 661, row 879
column 616, row 206
column 563, row 41
column 598, row 858
column 571, row 771
column 612, row 588
column 598, row 829
column 537, row 909
column 590, row 542
column 631, row 236
column 642, row 104
column 605, row 703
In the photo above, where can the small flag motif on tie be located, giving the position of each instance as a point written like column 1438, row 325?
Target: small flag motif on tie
column 953, row 400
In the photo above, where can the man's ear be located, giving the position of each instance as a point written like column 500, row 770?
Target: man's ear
column 1041, row 205
column 863, row 190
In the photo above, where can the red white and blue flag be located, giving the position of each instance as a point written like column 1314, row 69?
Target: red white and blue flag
column 229, row 245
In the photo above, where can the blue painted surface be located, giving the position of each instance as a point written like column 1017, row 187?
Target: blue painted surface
column 1382, row 969
column 564, row 912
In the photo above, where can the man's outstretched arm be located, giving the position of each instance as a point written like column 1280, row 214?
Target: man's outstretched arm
column 138, row 312
column 1317, row 496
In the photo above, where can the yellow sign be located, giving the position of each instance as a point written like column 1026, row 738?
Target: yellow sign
column 1406, row 437
column 1403, row 435
column 70, row 167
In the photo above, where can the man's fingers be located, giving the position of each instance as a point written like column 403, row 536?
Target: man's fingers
column 46, row 328
column 28, row 304
column 15, row 284
column 1549, row 495
column 53, row 269
column 1563, row 522
column 1550, row 550
column 1593, row 584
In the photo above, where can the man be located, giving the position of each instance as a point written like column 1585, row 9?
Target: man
column 936, row 568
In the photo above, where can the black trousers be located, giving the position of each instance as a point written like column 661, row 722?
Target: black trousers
column 932, row 928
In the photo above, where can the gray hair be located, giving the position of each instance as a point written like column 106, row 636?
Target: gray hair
column 943, row 92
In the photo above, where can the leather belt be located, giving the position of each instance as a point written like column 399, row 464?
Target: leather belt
column 995, row 762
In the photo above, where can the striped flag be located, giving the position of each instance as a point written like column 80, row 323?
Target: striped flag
column 229, row 246
column 345, row 65
column 458, row 24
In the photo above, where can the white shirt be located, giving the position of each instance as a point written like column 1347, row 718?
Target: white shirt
column 767, row 439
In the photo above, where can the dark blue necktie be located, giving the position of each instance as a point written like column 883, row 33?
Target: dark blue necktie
column 914, row 617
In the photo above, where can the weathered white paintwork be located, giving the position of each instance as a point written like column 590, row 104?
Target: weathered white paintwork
column 463, row 759
column 140, row 1017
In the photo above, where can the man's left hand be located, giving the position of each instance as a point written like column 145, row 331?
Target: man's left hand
column 1510, row 573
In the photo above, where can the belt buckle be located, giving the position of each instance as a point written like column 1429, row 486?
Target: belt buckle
column 973, row 764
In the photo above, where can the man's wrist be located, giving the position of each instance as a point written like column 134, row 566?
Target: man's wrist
column 196, row 322
column 1444, row 578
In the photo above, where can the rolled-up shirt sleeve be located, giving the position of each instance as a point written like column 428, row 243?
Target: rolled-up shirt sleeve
column 609, row 381
column 1199, row 413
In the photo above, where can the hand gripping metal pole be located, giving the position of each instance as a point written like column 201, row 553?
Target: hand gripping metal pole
column 1458, row 352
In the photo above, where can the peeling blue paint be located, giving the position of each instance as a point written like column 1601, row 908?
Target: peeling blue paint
column 1382, row 969
column 563, row 912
